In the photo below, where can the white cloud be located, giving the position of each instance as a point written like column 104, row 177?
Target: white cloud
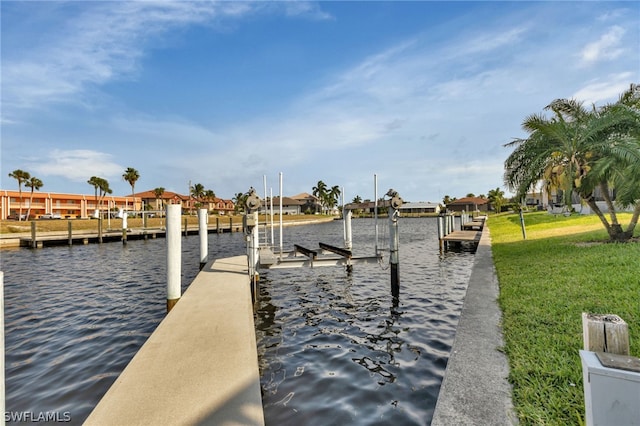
column 607, row 47
column 598, row 91
column 78, row 165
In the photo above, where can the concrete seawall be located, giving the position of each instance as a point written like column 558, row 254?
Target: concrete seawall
column 475, row 390
column 200, row 366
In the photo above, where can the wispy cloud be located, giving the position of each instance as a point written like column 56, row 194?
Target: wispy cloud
column 77, row 165
column 600, row 90
column 607, row 47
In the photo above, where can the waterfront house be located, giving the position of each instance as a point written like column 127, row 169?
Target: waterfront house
column 289, row 206
column 419, row 208
column 469, row 204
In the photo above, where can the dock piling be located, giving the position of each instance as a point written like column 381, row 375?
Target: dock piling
column 203, row 233
column 174, row 255
column 70, row 231
column 394, row 258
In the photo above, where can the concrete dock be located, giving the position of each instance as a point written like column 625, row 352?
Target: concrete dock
column 475, row 390
column 200, row 366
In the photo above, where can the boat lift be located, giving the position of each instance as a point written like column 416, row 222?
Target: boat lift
column 263, row 255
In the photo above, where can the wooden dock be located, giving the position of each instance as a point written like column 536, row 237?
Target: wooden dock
column 470, row 233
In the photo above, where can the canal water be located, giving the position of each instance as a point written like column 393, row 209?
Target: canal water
column 334, row 348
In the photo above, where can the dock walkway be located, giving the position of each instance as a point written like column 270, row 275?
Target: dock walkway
column 200, row 366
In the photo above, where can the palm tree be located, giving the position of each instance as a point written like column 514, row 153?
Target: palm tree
column 210, row 196
column 158, row 192
column 35, row 184
column 357, row 199
column 102, row 186
column 496, row 198
column 579, row 150
column 320, row 192
column 21, row 176
column 197, row 192
column 239, row 200
column 131, row 175
column 333, row 196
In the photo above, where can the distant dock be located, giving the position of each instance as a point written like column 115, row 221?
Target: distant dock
column 470, row 232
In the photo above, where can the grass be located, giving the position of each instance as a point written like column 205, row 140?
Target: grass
column 564, row 268
column 15, row 227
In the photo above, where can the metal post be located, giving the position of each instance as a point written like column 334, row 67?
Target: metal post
column 202, row 231
column 273, row 241
column 252, row 204
column 440, row 231
column 280, row 215
column 174, row 255
column 375, row 208
column 347, row 226
column 394, row 258
column 524, row 231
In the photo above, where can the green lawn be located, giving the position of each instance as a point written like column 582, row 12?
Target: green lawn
column 564, row 268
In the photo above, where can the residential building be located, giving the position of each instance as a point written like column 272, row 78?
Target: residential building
column 69, row 206
column 215, row 205
column 419, row 208
column 469, row 204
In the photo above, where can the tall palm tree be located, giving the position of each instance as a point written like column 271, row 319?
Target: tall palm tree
column 21, row 176
column 578, row 150
column 333, row 196
column 320, row 192
column 131, row 175
column 35, row 184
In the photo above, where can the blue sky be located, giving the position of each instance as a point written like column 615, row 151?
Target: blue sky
column 423, row 94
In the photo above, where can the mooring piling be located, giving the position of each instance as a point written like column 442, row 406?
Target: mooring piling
column 394, row 242
column 174, row 255
column 203, row 233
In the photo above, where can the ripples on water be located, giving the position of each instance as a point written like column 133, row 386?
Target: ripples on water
column 338, row 349
column 75, row 316
column 334, row 348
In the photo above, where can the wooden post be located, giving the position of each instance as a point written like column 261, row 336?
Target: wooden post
column 186, row 222
column 70, row 231
column 34, row 241
column 100, row 230
column 605, row 333
column 218, row 230
column 174, row 255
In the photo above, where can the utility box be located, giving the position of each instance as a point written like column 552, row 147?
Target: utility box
column 611, row 389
